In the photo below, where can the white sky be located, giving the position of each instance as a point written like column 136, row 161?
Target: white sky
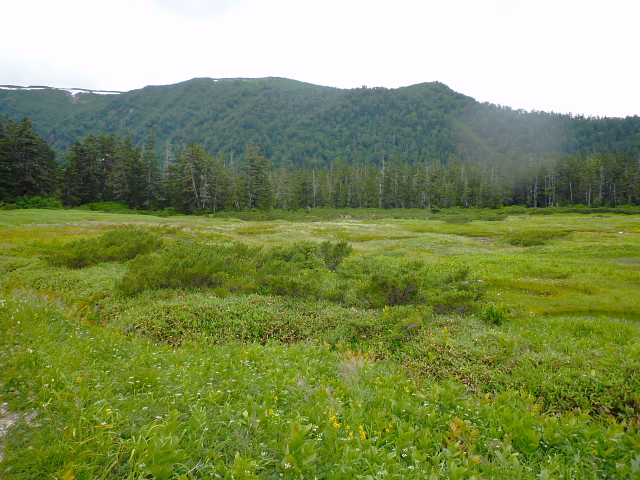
column 578, row 56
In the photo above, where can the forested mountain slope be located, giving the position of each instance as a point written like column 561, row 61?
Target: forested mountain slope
column 313, row 126
column 207, row 145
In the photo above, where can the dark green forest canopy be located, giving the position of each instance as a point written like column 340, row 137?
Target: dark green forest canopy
column 308, row 125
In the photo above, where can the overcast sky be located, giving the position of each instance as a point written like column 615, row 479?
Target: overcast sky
column 578, row 56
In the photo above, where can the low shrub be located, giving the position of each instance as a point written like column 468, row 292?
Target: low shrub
column 334, row 253
column 459, row 216
column 203, row 211
column 458, row 219
column 312, row 254
column 167, row 212
column 173, row 318
column 303, row 254
column 304, row 270
column 301, row 269
column 109, row 207
column 532, row 238
column 38, row 202
column 96, row 404
column 117, row 245
column 378, row 281
column 192, row 265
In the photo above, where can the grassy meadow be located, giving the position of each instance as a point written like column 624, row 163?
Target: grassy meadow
column 356, row 344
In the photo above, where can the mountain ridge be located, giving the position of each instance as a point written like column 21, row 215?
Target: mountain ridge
column 304, row 124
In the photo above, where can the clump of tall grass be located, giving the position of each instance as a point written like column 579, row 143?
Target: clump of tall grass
column 116, row 245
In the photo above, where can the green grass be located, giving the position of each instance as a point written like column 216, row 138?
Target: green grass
column 111, row 407
column 541, row 380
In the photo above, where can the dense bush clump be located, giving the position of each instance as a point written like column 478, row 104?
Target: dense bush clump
column 192, row 265
column 300, row 269
column 311, row 254
column 377, row 281
column 38, row 202
column 117, row 245
column 334, row 253
column 304, row 270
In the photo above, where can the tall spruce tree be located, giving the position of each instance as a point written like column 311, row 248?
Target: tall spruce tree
column 134, row 172
column 152, row 180
column 256, row 188
column 82, row 183
column 27, row 164
column 196, row 181
column 108, row 152
column 7, row 183
column 217, row 181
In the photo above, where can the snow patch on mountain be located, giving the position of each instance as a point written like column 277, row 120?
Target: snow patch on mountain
column 71, row 91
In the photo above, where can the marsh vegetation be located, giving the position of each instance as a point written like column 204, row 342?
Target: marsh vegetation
column 489, row 344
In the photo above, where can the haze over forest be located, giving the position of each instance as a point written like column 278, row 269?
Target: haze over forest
column 189, row 145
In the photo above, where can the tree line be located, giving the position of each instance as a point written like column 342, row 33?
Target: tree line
column 188, row 179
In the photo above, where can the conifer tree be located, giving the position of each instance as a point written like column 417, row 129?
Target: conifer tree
column 7, row 184
column 234, row 186
column 27, row 164
column 152, row 178
column 108, row 151
column 256, row 188
column 81, row 173
column 186, row 175
column 218, row 184
column 196, row 181
column 130, row 178
column 303, row 196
